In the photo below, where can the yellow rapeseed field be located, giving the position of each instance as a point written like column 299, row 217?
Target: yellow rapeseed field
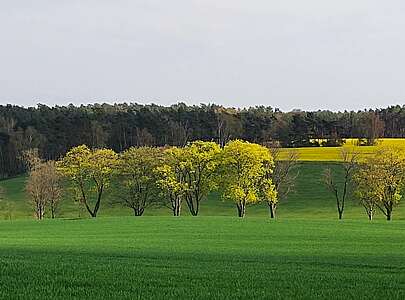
column 334, row 153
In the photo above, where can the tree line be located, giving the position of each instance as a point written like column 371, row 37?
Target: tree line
column 55, row 130
column 242, row 172
column 140, row 177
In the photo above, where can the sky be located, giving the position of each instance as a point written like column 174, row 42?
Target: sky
column 289, row 54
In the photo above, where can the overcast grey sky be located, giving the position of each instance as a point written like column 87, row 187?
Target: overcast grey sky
column 312, row 54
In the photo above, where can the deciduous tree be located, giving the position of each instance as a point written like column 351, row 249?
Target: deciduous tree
column 198, row 163
column 54, row 187
column 242, row 169
column 368, row 187
column 340, row 184
column 385, row 173
column 171, row 180
column 228, row 125
column 136, row 173
column 44, row 188
column 283, row 176
column 90, row 173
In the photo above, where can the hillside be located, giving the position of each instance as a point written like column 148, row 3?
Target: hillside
column 309, row 200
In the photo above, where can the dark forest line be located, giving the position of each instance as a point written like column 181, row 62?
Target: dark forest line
column 54, row 130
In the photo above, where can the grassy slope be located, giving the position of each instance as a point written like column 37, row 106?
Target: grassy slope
column 306, row 253
column 13, row 200
column 310, row 199
column 200, row 258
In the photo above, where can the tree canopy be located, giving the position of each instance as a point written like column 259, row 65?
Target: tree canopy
column 243, row 172
column 136, row 176
column 89, row 171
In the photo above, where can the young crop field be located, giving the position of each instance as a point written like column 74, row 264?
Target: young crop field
column 201, row 257
column 305, row 253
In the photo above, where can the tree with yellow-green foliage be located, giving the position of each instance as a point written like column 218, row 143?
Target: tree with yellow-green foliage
column 243, row 174
column 171, row 180
column 380, row 180
column 90, row 172
column 267, row 191
column 189, row 172
column 198, row 163
column 368, row 187
column 137, row 177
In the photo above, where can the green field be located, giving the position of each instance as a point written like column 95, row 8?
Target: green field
column 202, row 257
column 305, row 253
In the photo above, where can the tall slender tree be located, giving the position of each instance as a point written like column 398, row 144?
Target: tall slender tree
column 283, row 176
column 44, row 188
column 340, row 184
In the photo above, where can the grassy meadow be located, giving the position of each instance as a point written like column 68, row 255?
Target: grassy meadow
column 305, row 253
column 310, row 199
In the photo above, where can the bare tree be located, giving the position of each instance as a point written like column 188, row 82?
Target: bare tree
column 179, row 133
column 31, row 158
column 54, row 187
column 44, row 188
column 228, row 125
column 283, row 176
column 341, row 188
column 35, row 188
column 98, row 136
column 144, row 138
column 375, row 128
column 7, row 124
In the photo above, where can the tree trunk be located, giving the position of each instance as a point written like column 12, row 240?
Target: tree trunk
column 40, row 211
column 97, row 206
column 272, row 210
column 52, row 211
column 192, row 208
column 241, row 210
column 389, row 214
column 138, row 211
column 371, row 214
column 197, row 208
column 340, row 214
column 176, row 207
